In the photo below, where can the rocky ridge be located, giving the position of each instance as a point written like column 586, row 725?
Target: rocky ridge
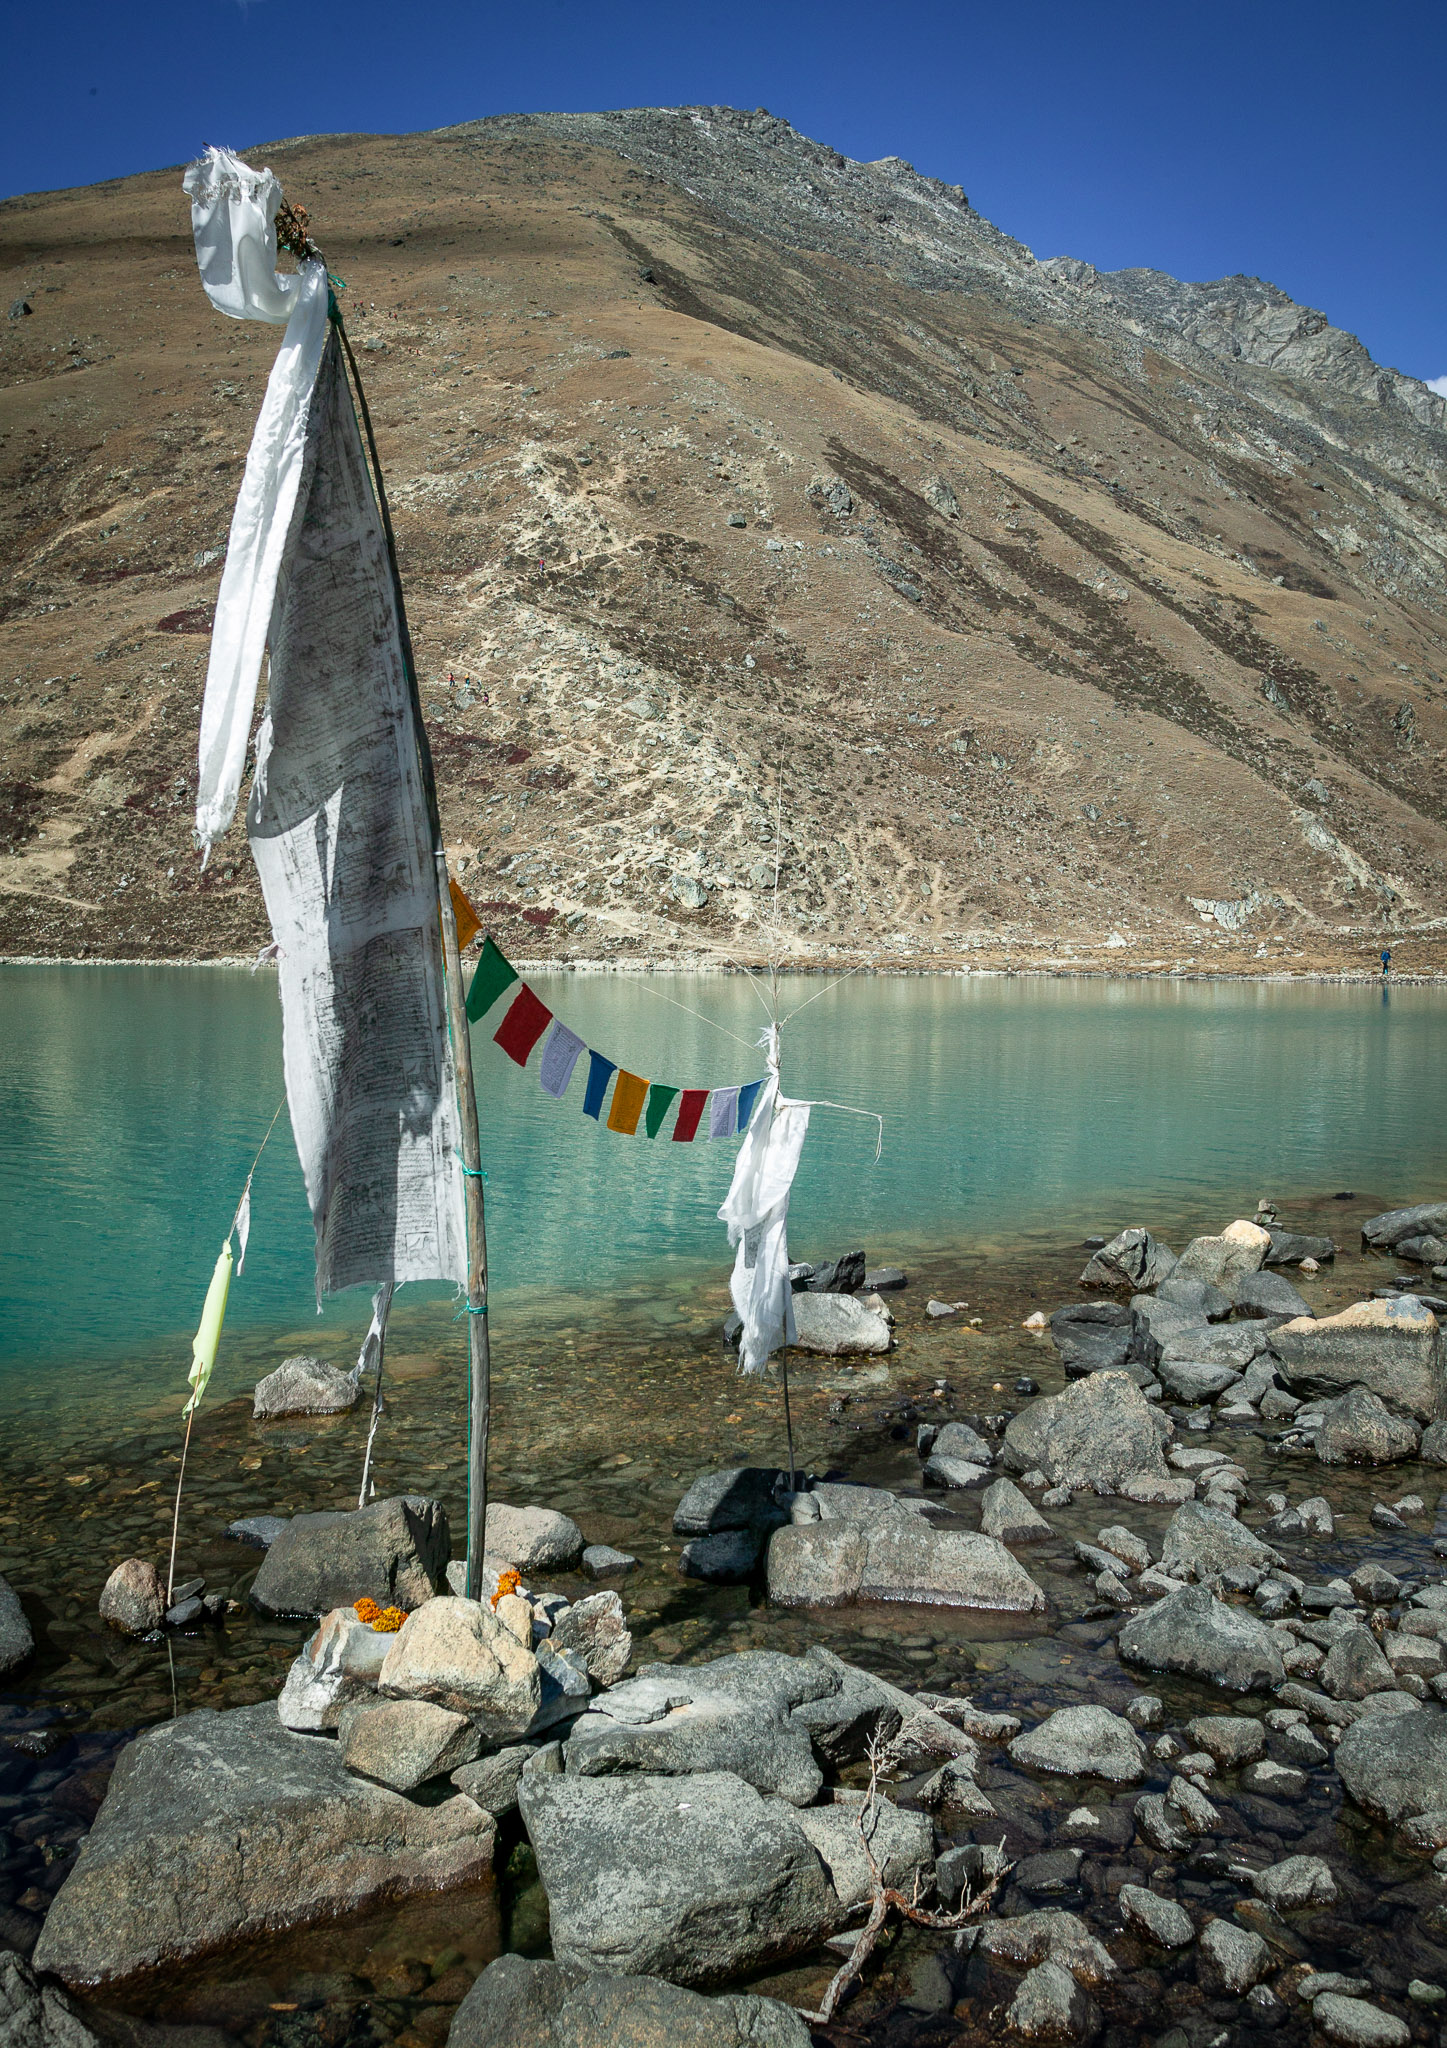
column 760, row 511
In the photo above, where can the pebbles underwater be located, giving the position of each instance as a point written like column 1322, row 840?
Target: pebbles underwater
column 1198, row 1876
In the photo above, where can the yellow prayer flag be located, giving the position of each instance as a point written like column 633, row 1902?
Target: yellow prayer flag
column 469, row 924
column 207, row 1340
column 629, row 1091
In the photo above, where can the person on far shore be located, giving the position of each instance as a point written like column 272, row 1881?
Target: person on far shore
column 1386, row 961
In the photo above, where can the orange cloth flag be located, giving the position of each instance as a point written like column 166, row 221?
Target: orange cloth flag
column 469, row 924
column 629, row 1094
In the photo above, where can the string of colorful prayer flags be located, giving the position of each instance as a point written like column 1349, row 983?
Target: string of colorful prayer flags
column 528, row 1021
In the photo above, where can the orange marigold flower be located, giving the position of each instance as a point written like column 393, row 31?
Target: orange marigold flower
column 389, row 1620
column 507, row 1582
column 366, row 1609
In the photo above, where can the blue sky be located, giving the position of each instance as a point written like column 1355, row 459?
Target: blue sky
column 1298, row 143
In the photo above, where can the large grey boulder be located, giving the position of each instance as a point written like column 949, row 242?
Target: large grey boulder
column 1395, row 1765
column 1359, row 1429
column 17, row 1643
column 38, row 2015
column 698, row 1879
column 392, row 1551
column 695, row 1720
column 1195, row 1633
column 1097, row 1434
column 839, row 1326
column 1393, row 1347
column 1425, row 1219
column 899, row 1557
column 521, row 2003
column 738, row 1497
column 304, row 1386
column 907, row 1560
column 1084, row 1742
column 1091, row 1336
column 1241, row 1248
column 1207, row 1544
column 219, row 1826
column 133, row 1598
column 340, row 1663
column 459, row 1655
column 1134, row 1260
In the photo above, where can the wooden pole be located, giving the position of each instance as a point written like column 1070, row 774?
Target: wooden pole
column 478, row 1349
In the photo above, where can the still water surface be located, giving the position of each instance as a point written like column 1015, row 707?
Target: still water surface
column 133, row 1099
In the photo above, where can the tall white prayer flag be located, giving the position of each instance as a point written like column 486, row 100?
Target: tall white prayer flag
column 338, row 817
column 756, row 1212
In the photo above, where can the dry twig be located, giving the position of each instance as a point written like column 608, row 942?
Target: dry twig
column 887, row 1899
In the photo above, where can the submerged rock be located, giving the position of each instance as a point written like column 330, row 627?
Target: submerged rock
column 1194, row 1633
column 1394, row 1348
column 1098, row 1433
column 1231, row 1959
column 134, row 1599
column 697, row 1880
column 223, row 1825
column 392, row 1551
column 304, row 1386
column 738, row 1497
column 17, row 1644
column 38, row 2015
column 1051, row 2007
column 1395, row 1765
column 1007, row 1514
column 1297, row 1882
column 1206, row 1544
column 521, row 2003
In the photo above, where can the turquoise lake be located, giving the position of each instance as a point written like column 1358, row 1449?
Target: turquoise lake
column 1016, row 1110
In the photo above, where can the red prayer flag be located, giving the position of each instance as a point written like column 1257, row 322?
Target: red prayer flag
column 526, row 1021
column 690, row 1109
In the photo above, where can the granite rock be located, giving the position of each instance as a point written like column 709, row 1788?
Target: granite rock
column 457, row 1654
column 220, row 1826
column 304, row 1386
column 392, row 1551
column 521, row 2003
column 1394, row 1348
column 1200, row 1636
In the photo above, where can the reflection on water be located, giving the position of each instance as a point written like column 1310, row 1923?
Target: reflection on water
column 132, row 1100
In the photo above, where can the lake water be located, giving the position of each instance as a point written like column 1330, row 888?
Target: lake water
column 132, row 1101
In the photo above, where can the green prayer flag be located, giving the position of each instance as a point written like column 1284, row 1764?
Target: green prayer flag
column 659, row 1098
column 492, row 977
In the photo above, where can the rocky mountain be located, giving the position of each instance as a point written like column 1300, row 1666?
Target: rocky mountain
column 797, row 565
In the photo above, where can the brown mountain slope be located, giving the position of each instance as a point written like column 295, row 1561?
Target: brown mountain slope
column 736, row 482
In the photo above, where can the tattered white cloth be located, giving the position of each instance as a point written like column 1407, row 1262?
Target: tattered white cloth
column 338, row 818
column 756, row 1212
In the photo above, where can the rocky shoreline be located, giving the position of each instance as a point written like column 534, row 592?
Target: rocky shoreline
column 1208, row 1777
